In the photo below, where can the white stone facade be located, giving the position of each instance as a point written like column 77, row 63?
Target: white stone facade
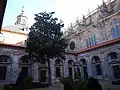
column 96, row 42
column 95, row 50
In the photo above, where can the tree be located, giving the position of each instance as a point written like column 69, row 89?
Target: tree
column 44, row 39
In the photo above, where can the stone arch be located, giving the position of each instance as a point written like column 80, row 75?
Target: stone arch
column 83, row 61
column 5, row 59
column 114, row 49
column 70, row 62
column 112, row 55
column 24, row 59
column 71, row 68
column 25, row 66
column 58, row 62
column 83, row 64
column 58, row 68
column 96, row 66
column 113, row 64
column 5, row 62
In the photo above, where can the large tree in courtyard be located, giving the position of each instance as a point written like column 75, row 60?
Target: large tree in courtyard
column 44, row 40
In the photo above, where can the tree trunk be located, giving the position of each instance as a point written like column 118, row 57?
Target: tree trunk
column 49, row 72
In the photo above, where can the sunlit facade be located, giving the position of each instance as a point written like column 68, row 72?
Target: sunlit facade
column 93, row 47
column 94, row 43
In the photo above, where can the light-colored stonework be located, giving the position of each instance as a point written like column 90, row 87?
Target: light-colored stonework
column 100, row 60
column 98, row 23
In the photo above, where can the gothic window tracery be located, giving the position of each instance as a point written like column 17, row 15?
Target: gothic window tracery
column 114, row 64
column 5, row 59
column 25, row 65
column 112, row 56
column 96, row 65
column 70, row 67
column 4, row 62
column 83, row 64
column 58, row 68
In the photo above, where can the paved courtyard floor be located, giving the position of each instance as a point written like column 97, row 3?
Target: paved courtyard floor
column 53, row 87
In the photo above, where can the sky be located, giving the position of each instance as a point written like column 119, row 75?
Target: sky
column 67, row 10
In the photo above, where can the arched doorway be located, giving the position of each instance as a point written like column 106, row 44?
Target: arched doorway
column 5, row 61
column 43, row 71
column 58, row 68
column 70, row 68
column 96, row 65
column 114, row 65
column 25, row 65
column 83, row 65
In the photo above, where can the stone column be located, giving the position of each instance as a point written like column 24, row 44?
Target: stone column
column 89, row 67
column 52, row 68
column 35, row 72
column 15, row 70
column 66, row 68
column 73, row 72
column 104, row 65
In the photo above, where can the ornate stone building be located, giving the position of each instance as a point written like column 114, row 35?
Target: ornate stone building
column 93, row 47
column 13, row 59
column 12, row 51
column 94, row 43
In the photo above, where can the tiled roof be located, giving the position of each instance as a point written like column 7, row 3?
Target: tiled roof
column 14, row 28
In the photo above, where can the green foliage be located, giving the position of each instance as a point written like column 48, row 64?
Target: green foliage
column 93, row 84
column 67, row 84
column 85, row 81
column 78, row 83
column 86, row 84
column 44, row 40
column 45, row 37
column 27, row 82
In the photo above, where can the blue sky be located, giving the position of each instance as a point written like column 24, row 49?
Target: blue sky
column 67, row 10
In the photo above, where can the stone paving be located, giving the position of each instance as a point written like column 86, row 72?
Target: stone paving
column 107, row 85
column 53, row 87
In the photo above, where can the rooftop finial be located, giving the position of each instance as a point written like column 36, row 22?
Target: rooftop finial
column 22, row 8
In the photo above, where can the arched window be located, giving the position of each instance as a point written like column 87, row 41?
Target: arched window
column 70, row 62
column 114, row 64
column 97, row 65
column 25, row 65
column 4, row 61
column 58, row 65
column 70, row 67
column 25, row 60
column 112, row 55
column 84, row 65
column 43, row 61
column 58, row 62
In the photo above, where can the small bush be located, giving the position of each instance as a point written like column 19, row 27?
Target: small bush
column 38, row 85
column 116, row 82
column 93, row 84
column 10, row 87
column 67, row 85
column 27, row 82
